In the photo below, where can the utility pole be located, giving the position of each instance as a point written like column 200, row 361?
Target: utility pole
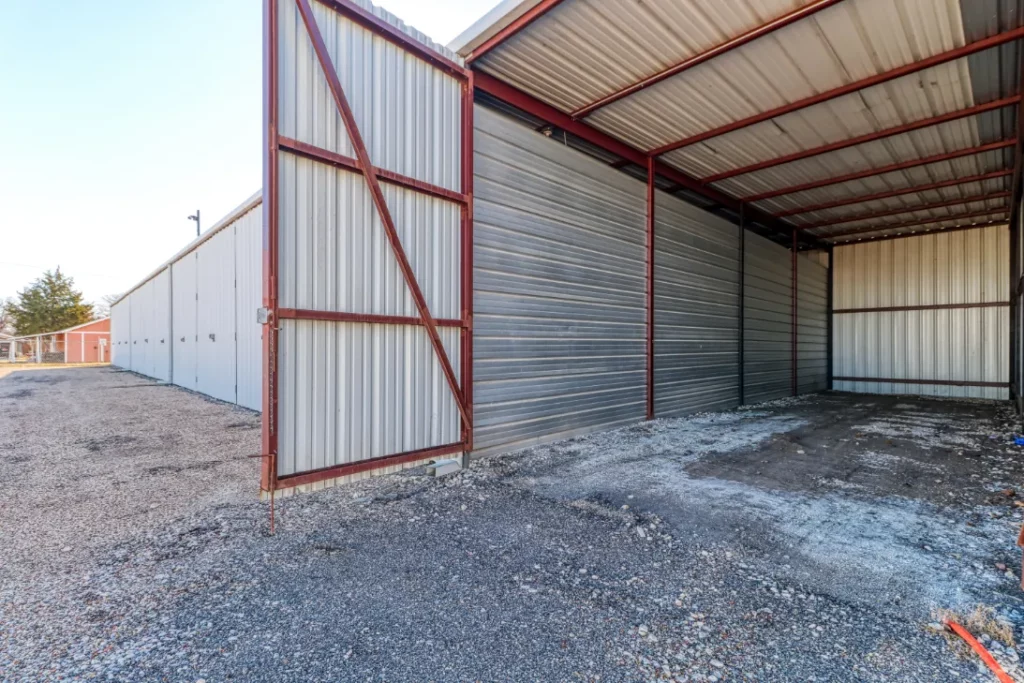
column 196, row 219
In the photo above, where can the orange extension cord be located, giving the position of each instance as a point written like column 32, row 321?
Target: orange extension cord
column 980, row 649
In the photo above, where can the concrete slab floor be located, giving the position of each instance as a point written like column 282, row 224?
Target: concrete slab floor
column 806, row 539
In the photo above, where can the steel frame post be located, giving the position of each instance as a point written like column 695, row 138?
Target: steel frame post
column 268, row 431
column 651, row 176
column 793, row 315
column 467, row 261
column 742, row 307
column 830, row 309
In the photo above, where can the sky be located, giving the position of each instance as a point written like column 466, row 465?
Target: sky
column 120, row 119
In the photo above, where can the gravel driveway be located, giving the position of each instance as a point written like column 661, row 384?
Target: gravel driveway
column 135, row 550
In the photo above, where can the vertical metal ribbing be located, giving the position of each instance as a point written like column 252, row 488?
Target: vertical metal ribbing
column 650, row 288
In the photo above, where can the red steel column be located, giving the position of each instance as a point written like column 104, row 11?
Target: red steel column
column 467, row 259
column 793, row 315
column 650, row 287
column 268, row 432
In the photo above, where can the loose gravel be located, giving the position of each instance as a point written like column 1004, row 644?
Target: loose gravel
column 135, row 548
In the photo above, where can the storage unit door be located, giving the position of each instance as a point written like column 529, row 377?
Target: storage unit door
column 768, row 320
column 559, row 289
column 696, row 309
column 183, row 303
column 248, row 299
column 120, row 327
column 160, row 342
column 215, row 349
column 140, row 331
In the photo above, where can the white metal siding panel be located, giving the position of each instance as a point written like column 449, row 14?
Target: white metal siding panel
column 559, row 289
column 160, row 348
column 248, row 299
column 812, row 325
column 121, row 335
column 351, row 392
column 696, row 301
column 184, row 313
column 140, row 306
column 215, row 349
column 969, row 266
column 768, row 320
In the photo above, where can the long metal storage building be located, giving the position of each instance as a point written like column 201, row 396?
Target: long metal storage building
column 588, row 214
column 192, row 322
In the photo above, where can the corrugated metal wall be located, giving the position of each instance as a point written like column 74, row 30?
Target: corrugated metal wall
column 193, row 321
column 120, row 335
column 768, row 321
column 559, row 290
column 812, row 324
column 696, row 302
column 349, row 392
column 160, row 346
column 248, row 300
column 184, row 315
column 959, row 344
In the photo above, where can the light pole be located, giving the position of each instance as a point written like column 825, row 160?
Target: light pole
column 196, row 219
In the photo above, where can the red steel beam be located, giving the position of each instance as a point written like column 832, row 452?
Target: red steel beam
column 379, row 27
column 651, row 175
column 314, row 476
column 373, row 318
column 384, row 212
column 912, row 224
column 530, row 16
column 908, row 209
column 882, row 170
column 868, row 137
column 794, row 312
column 324, row 156
column 952, row 182
column 268, row 422
column 920, row 233
column 531, row 105
column 716, row 51
column 926, row 307
column 877, row 79
column 936, row 382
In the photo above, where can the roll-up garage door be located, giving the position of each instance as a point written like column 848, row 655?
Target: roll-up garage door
column 160, row 329
column 215, row 348
column 559, row 289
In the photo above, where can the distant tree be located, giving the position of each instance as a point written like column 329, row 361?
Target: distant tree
column 6, row 317
column 102, row 309
column 48, row 304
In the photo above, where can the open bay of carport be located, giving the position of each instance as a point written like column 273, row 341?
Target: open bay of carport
column 805, row 539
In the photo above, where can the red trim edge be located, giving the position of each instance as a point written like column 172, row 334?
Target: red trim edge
column 336, row 471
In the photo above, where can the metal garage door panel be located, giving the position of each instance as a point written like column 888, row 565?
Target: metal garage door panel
column 768, row 320
column 184, row 313
column 160, row 341
column 559, row 289
column 248, row 299
column 215, row 348
column 696, row 309
column 812, row 325
column 120, row 334
column 140, row 330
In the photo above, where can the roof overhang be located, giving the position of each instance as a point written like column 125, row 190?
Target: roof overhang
column 809, row 113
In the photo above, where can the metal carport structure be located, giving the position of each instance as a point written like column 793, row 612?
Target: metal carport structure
column 811, row 125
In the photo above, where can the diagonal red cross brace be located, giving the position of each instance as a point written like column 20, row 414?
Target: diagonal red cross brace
column 372, row 180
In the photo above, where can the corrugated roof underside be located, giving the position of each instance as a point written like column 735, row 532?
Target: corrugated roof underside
column 582, row 51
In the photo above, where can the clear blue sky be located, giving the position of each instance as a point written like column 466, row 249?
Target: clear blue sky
column 121, row 118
